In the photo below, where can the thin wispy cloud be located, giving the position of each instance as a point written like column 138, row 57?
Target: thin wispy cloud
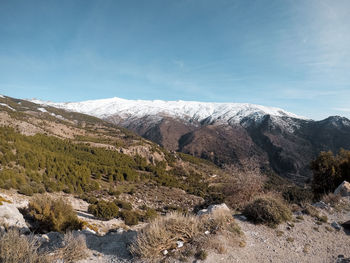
column 292, row 54
column 342, row 109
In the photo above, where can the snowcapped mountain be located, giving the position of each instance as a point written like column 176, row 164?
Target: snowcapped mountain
column 186, row 110
column 225, row 133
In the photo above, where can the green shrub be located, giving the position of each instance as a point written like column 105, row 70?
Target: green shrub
column 329, row 171
column 266, row 210
column 26, row 190
column 104, row 210
column 130, row 217
column 297, row 195
column 52, row 215
column 90, row 199
column 123, row 204
column 150, row 214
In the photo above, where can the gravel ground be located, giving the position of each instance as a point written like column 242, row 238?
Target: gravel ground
column 305, row 242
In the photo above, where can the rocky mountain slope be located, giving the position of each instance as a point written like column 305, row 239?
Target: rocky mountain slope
column 225, row 132
column 43, row 148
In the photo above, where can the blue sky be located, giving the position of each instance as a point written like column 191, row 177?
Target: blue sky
column 293, row 54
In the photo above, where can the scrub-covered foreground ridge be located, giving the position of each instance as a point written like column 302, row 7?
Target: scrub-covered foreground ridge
column 75, row 188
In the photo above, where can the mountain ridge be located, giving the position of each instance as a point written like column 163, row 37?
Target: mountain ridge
column 228, row 133
column 193, row 110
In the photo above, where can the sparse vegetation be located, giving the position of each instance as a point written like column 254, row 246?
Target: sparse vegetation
column 52, row 215
column 329, row 171
column 265, row 210
column 123, row 204
column 297, row 195
column 313, row 212
column 15, row 248
column 130, row 217
column 104, row 209
column 149, row 214
column 74, row 248
column 201, row 255
column 162, row 233
column 331, row 199
column 245, row 183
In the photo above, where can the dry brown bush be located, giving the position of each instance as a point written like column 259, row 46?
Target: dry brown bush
column 246, row 182
column 268, row 210
column 15, row 248
column 163, row 233
column 219, row 221
column 74, row 248
column 331, row 199
column 53, row 215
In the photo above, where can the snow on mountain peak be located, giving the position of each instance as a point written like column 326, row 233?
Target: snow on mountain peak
column 188, row 110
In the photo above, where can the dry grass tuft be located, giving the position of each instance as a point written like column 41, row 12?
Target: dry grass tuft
column 74, row 248
column 15, row 248
column 163, row 233
column 220, row 221
column 331, row 199
column 313, row 212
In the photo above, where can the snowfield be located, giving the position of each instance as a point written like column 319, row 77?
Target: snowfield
column 187, row 110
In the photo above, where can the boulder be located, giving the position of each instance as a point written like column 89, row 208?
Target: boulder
column 11, row 217
column 343, row 189
column 213, row 208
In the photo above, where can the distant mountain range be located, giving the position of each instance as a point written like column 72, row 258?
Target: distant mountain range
column 225, row 132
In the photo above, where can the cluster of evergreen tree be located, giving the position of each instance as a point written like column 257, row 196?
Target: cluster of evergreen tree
column 329, row 171
column 42, row 163
column 58, row 164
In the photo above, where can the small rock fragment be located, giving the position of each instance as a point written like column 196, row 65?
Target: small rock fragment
column 179, row 243
column 336, row 226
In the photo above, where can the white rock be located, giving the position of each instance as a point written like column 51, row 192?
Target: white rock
column 343, row 189
column 179, row 244
column 10, row 216
column 165, row 252
column 213, row 208
column 90, row 230
column 207, row 232
column 45, row 237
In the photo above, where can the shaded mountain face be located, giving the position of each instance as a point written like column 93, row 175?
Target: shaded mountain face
column 227, row 132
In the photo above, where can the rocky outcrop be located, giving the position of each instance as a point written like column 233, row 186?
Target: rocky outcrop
column 343, row 189
column 11, row 217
